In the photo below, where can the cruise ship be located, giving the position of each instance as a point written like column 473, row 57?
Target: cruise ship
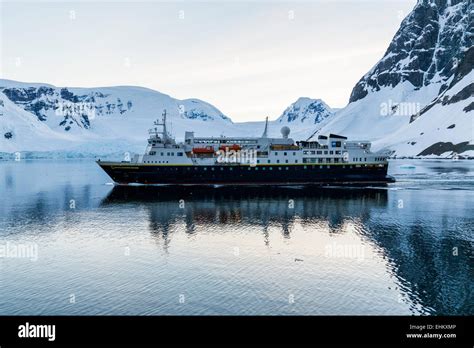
column 331, row 159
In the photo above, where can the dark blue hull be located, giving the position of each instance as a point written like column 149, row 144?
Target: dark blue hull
column 127, row 173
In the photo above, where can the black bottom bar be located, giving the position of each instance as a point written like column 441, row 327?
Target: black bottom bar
column 291, row 331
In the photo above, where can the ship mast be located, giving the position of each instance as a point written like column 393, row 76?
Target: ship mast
column 264, row 135
column 164, row 133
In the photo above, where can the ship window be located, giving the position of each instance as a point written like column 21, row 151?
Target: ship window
column 152, row 153
column 336, row 160
column 212, row 169
column 258, row 161
column 286, row 161
column 180, row 154
column 278, row 161
column 205, row 168
column 161, row 153
column 222, row 168
column 276, row 153
column 325, row 152
column 286, row 168
column 256, row 168
column 167, row 154
column 284, row 153
column 294, row 153
column 230, row 168
column 305, row 167
column 268, row 161
column 296, row 161
column 250, row 168
column 271, row 168
column 319, row 152
column 263, row 168
column 338, row 152
column 279, row 168
column 320, row 167
column 331, row 152
column 320, row 160
column 365, row 159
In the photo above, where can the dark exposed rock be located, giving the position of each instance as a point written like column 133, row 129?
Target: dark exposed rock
column 451, row 126
column 469, row 108
column 70, row 108
column 67, row 95
column 441, row 147
column 8, row 135
column 463, row 94
column 434, row 41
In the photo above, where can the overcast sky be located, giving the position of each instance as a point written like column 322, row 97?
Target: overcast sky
column 250, row 59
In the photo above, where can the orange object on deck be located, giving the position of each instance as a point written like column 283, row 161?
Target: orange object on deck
column 234, row 147
column 207, row 149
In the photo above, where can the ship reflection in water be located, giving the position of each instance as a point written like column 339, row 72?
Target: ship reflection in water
column 251, row 207
column 401, row 249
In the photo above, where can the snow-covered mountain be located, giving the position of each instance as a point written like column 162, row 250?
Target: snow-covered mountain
column 418, row 99
column 41, row 117
column 305, row 111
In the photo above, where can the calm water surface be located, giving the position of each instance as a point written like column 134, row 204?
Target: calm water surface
column 95, row 248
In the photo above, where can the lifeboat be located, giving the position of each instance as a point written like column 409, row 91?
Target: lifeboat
column 235, row 147
column 203, row 150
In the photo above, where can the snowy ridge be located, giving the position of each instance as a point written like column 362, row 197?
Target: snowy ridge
column 94, row 119
column 305, row 111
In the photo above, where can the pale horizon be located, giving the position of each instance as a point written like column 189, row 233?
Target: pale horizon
column 248, row 59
